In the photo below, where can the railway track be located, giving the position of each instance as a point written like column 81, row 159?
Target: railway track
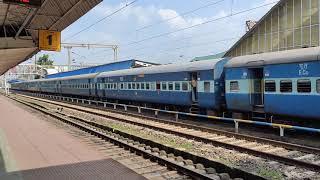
column 287, row 153
column 146, row 157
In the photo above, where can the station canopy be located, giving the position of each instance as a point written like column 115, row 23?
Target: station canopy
column 20, row 23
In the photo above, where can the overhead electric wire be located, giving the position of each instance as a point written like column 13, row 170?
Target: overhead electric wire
column 102, row 19
column 199, row 24
column 182, row 47
column 165, row 42
column 196, row 25
column 181, row 15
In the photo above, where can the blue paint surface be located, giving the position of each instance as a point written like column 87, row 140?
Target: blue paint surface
column 293, row 105
column 238, row 102
column 294, row 70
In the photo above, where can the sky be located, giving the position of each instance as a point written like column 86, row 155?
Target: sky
column 160, row 31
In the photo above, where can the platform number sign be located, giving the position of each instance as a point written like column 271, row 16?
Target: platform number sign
column 49, row 40
column 34, row 3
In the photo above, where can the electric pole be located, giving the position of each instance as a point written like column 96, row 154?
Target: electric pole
column 69, row 46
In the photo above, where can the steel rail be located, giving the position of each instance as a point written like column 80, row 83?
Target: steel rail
column 265, row 155
column 190, row 172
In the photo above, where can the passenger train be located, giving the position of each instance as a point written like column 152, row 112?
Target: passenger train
column 276, row 85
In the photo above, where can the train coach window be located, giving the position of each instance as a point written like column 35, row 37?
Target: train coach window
column 234, row 86
column 185, row 86
column 138, row 86
column 147, row 86
column 177, row 86
column 142, row 86
column 207, row 87
column 163, row 86
column 170, row 86
column 318, row 86
column 133, row 85
column 270, row 86
column 286, row 86
column 121, row 86
column 304, row 86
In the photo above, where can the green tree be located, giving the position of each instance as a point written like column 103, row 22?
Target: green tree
column 45, row 60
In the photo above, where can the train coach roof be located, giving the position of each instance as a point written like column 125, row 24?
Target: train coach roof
column 84, row 76
column 281, row 57
column 178, row 67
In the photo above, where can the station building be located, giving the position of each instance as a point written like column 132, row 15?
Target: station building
column 290, row 24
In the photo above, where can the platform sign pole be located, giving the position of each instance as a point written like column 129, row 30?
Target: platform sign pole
column 69, row 58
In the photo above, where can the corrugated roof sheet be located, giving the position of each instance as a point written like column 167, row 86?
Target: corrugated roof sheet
column 53, row 15
column 254, row 27
column 215, row 56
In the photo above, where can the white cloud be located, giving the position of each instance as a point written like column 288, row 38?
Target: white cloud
column 175, row 21
column 121, row 29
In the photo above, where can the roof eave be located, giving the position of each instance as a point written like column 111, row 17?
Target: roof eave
column 254, row 27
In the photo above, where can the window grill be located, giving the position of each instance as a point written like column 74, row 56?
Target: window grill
column 304, row 86
column 286, row 86
column 270, row 86
column 177, row 86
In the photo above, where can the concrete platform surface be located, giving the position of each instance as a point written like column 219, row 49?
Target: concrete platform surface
column 32, row 148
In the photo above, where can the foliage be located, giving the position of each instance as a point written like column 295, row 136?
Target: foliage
column 45, row 60
column 270, row 173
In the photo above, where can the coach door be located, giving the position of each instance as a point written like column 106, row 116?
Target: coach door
column 257, row 86
column 194, row 88
column 59, row 87
column 90, row 87
column 104, row 80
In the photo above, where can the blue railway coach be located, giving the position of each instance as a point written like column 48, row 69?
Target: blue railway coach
column 272, row 85
column 182, row 84
column 283, row 83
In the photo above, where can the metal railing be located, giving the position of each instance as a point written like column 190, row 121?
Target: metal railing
column 236, row 122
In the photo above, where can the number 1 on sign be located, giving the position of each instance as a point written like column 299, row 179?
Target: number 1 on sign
column 49, row 40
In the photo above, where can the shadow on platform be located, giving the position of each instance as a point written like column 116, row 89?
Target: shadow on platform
column 92, row 170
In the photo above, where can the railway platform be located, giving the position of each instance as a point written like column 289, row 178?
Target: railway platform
column 33, row 148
